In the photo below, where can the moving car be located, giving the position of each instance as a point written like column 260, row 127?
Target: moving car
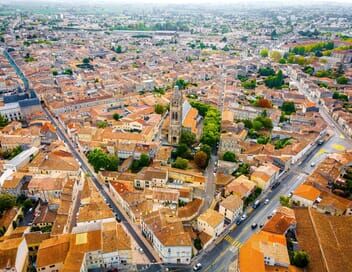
column 197, row 267
column 312, row 164
column 266, row 201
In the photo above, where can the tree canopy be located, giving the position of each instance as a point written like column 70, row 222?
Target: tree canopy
column 201, row 159
column 7, row 201
column 288, row 107
column 264, row 53
column 159, row 109
column 229, row 156
column 275, row 81
column 187, row 137
column 3, row 121
column 100, row 160
column 300, row 259
column 180, row 163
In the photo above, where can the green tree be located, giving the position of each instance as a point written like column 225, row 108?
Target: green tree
column 7, row 201
column 55, row 73
column 116, row 116
column 197, row 243
column 288, row 107
column 181, row 83
column 266, row 71
column 3, row 121
column 229, row 156
column 27, row 204
column 257, row 125
column 100, row 160
column 159, row 109
column 187, row 137
column 201, row 159
column 342, row 80
column 118, row 49
column 180, row 163
column 275, row 81
column 102, row 124
column 144, row 160
column 205, row 148
column 285, row 201
column 86, row 60
column 264, row 53
column 68, row 71
column 300, row 259
column 249, row 84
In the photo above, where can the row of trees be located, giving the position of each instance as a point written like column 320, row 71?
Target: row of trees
column 304, row 50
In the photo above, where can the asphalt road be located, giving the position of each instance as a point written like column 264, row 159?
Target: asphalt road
column 99, row 186
column 221, row 255
column 86, row 169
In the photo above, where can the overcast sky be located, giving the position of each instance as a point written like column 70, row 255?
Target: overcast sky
column 205, row 2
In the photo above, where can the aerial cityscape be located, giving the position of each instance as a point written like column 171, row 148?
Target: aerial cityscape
column 176, row 136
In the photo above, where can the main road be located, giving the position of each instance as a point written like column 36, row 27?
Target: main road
column 86, row 169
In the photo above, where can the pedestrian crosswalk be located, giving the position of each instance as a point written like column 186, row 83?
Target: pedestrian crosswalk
column 232, row 241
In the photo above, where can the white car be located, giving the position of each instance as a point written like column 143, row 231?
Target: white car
column 266, row 201
column 197, row 267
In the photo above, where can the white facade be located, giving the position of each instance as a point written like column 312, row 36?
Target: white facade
column 231, row 214
column 302, row 202
column 213, row 231
column 169, row 254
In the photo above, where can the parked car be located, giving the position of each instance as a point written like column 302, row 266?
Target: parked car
column 254, row 225
column 266, row 201
column 256, row 204
column 275, row 185
column 197, row 267
column 243, row 217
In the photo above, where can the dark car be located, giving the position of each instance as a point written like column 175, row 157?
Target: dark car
column 275, row 185
column 254, row 225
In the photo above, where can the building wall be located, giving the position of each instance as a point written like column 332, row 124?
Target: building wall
column 302, row 201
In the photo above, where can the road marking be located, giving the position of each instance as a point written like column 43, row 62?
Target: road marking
column 232, row 241
column 342, row 136
column 338, row 147
column 320, row 152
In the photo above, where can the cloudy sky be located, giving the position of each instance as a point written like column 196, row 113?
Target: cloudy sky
column 205, row 2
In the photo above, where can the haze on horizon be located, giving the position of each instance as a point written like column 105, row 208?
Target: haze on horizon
column 194, row 2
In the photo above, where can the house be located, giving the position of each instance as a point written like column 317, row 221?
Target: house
column 169, row 239
column 265, row 175
column 47, row 188
column 305, row 195
column 242, row 186
column 231, row 207
column 229, row 142
column 58, row 161
column 264, row 251
column 93, row 210
column 14, row 184
column 14, row 255
column 211, row 222
column 108, row 247
column 150, row 177
column 283, row 220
